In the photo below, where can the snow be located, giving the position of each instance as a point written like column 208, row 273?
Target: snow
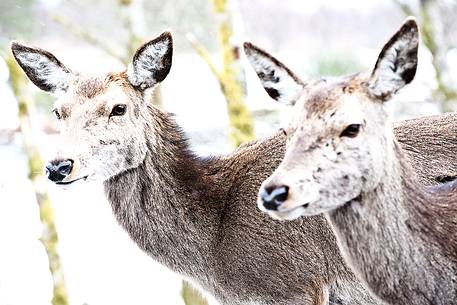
column 24, row 270
column 100, row 262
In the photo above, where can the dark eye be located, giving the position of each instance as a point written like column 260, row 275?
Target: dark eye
column 118, row 110
column 351, row 131
column 283, row 131
column 56, row 113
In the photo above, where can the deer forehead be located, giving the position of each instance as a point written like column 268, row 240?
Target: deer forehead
column 351, row 109
column 330, row 107
column 95, row 93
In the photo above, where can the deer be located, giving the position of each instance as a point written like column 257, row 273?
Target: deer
column 344, row 161
column 196, row 216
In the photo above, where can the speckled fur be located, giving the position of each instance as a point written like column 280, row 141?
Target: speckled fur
column 197, row 216
column 387, row 222
column 380, row 238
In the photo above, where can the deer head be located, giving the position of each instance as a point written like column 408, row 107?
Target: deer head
column 340, row 140
column 103, row 118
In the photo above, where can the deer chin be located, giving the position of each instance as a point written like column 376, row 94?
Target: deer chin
column 289, row 214
column 67, row 184
column 356, row 199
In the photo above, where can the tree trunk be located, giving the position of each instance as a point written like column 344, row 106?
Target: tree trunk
column 241, row 121
column 192, row 296
column 49, row 236
column 436, row 19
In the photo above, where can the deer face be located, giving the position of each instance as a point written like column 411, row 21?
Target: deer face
column 102, row 118
column 332, row 144
column 339, row 140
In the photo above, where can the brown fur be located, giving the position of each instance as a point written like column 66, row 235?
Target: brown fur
column 343, row 161
column 234, row 243
column 197, row 216
column 434, row 145
column 175, row 197
column 410, row 268
column 437, row 212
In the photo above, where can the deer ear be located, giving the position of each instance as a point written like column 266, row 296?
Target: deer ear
column 397, row 63
column 42, row 68
column 151, row 62
column 280, row 83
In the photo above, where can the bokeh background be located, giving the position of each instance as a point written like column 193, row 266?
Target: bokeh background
column 64, row 247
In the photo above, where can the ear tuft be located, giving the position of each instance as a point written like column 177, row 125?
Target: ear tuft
column 151, row 62
column 397, row 63
column 278, row 81
column 42, row 68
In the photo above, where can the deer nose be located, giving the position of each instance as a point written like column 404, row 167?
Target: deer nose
column 273, row 196
column 58, row 170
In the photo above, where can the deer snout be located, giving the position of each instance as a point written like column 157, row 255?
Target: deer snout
column 57, row 170
column 273, row 196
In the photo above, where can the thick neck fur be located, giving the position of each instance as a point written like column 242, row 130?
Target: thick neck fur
column 379, row 236
column 198, row 217
column 436, row 214
column 160, row 203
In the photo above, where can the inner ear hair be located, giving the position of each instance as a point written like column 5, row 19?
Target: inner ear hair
column 151, row 62
column 41, row 67
column 397, row 63
column 277, row 79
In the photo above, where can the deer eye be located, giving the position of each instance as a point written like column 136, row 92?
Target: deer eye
column 118, row 110
column 351, row 131
column 56, row 113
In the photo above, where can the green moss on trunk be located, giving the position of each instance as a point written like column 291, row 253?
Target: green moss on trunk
column 49, row 236
column 191, row 296
column 240, row 118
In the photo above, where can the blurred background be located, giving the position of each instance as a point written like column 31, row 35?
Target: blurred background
column 64, row 247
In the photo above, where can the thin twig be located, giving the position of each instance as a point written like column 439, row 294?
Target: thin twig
column 204, row 54
column 86, row 35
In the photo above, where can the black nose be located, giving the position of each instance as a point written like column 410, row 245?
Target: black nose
column 272, row 197
column 57, row 170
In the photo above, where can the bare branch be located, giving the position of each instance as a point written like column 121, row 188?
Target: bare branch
column 86, row 35
column 204, row 54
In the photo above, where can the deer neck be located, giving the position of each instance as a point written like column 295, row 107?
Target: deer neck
column 378, row 236
column 164, row 203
